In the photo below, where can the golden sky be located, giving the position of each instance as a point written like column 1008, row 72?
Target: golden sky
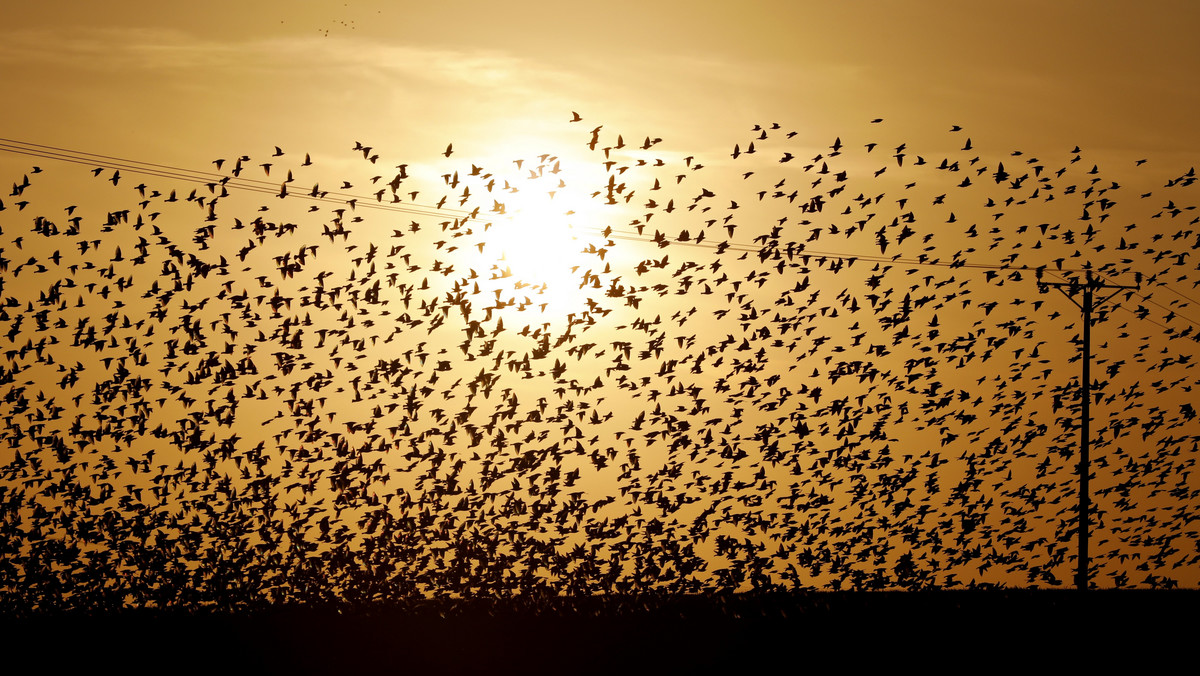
column 1110, row 76
column 376, row 304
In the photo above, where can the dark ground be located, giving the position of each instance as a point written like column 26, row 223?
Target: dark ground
column 946, row 630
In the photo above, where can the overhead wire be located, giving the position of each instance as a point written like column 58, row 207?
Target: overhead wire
column 214, row 179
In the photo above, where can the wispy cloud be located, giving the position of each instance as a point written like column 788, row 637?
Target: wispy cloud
column 290, row 87
column 170, row 51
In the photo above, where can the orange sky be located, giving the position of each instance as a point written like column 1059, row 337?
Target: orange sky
column 476, row 101
column 1109, row 76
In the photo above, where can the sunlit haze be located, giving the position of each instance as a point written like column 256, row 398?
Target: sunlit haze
column 353, row 302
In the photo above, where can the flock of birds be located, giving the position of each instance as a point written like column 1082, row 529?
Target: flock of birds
column 776, row 369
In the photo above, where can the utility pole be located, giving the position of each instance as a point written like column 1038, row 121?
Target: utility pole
column 1089, row 287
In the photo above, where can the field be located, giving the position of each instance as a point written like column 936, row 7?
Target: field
column 737, row 634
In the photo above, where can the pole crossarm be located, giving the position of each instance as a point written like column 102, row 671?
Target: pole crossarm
column 1091, row 283
column 1089, row 286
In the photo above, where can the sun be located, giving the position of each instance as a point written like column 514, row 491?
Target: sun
column 539, row 240
column 539, row 243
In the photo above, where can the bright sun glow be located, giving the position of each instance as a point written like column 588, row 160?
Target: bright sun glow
column 539, row 240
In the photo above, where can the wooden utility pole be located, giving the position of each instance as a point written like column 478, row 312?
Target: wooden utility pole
column 1089, row 287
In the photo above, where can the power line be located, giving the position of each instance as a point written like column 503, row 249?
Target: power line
column 1148, row 299
column 213, row 179
column 1181, row 295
